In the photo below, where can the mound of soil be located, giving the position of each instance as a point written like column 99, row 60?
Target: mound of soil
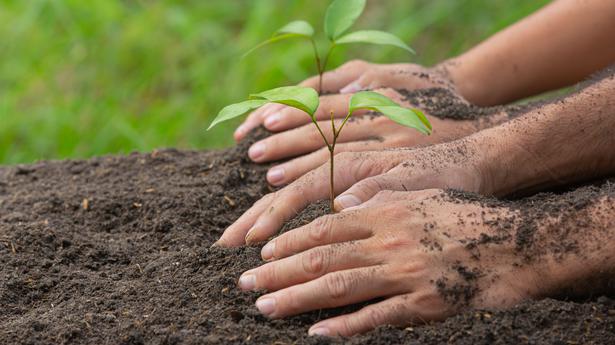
column 116, row 250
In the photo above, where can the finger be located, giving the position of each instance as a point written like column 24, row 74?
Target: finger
column 331, row 290
column 315, row 186
column 398, row 311
column 256, row 118
column 333, row 80
column 289, row 117
column 307, row 266
column 235, row 234
column 367, row 188
column 324, row 230
column 387, row 196
column 304, row 139
column 367, row 81
column 291, row 170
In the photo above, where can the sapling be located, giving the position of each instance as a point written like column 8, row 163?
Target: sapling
column 340, row 15
column 307, row 100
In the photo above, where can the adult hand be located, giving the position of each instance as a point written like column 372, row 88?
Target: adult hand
column 458, row 164
column 351, row 77
column 408, row 247
column 361, row 133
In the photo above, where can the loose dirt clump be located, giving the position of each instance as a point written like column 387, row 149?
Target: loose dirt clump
column 116, row 250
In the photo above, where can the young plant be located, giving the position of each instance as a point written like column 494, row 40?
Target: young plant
column 307, row 100
column 339, row 17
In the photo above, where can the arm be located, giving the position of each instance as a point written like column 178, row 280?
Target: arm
column 567, row 141
column 555, row 47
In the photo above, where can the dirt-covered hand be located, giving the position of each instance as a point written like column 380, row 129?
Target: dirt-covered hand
column 351, row 77
column 456, row 164
column 361, row 133
column 415, row 249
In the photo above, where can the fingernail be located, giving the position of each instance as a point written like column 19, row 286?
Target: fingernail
column 249, row 235
column 272, row 120
column 322, row 331
column 256, row 150
column 240, row 131
column 350, row 88
column 266, row 305
column 275, row 175
column 247, row 282
column 348, row 200
column 267, row 251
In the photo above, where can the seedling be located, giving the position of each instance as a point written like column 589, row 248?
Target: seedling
column 307, row 100
column 341, row 14
column 339, row 17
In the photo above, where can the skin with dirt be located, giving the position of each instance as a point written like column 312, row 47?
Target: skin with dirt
column 116, row 250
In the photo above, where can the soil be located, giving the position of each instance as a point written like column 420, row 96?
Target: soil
column 116, row 250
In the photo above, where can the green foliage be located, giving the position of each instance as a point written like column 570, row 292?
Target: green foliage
column 302, row 98
column 370, row 100
column 237, row 109
column 84, row 78
column 297, row 28
column 374, row 37
column 340, row 16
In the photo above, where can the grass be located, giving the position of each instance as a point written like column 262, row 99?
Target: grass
column 83, row 78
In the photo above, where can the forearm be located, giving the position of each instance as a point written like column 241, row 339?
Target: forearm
column 555, row 47
column 567, row 141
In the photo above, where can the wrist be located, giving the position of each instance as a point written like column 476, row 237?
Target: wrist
column 464, row 80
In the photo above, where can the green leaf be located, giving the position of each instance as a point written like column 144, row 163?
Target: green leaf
column 302, row 98
column 298, row 28
column 370, row 100
column 364, row 99
column 340, row 16
column 374, row 37
column 423, row 118
column 237, row 109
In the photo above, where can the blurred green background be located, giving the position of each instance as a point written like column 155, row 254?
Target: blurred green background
column 81, row 78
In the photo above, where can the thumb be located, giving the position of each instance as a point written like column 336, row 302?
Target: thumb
column 364, row 190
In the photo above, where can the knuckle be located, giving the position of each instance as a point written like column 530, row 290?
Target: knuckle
column 315, row 261
column 377, row 185
column 393, row 240
column 321, row 229
column 266, row 275
column 339, row 285
column 383, row 194
column 376, row 316
column 415, row 268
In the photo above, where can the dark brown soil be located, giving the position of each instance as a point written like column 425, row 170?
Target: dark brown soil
column 116, row 250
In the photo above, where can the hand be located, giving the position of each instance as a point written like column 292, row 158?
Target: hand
column 351, row 77
column 361, row 133
column 416, row 249
column 458, row 165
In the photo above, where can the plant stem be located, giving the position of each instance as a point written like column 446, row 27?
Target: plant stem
column 323, row 66
column 332, row 165
column 319, row 67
